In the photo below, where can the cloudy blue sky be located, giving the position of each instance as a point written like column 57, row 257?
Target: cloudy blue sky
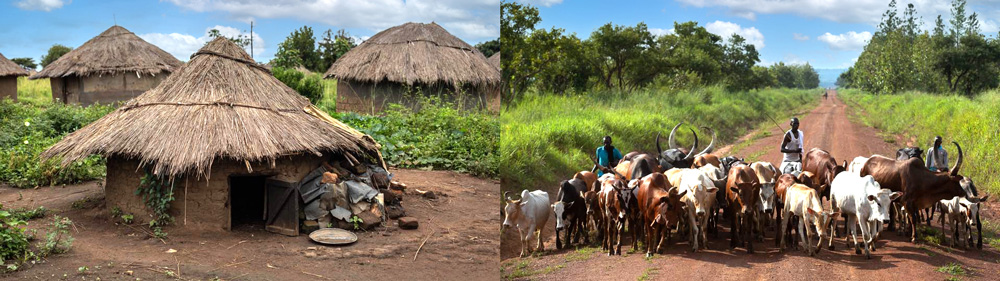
column 30, row 27
column 828, row 34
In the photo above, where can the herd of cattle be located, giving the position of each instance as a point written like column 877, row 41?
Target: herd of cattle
column 680, row 191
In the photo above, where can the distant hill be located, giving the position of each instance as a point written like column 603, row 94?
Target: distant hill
column 828, row 77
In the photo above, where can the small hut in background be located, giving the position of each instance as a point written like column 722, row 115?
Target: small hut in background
column 495, row 61
column 414, row 58
column 9, row 71
column 236, row 142
column 115, row 66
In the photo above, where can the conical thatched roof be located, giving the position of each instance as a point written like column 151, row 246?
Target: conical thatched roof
column 495, row 61
column 415, row 53
column 116, row 50
column 219, row 105
column 9, row 68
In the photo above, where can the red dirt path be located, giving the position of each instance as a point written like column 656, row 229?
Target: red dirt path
column 827, row 126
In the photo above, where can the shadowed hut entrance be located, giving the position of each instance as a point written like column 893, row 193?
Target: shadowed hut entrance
column 247, row 199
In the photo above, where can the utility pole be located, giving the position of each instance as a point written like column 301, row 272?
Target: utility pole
column 251, row 39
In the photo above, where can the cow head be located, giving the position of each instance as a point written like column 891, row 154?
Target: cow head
column 881, row 202
column 956, row 180
column 704, row 189
column 559, row 208
column 591, row 199
column 972, row 208
column 767, row 198
column 675, row 157
column 627, row 194
column 512, row 211
column 822, row 220
column 669, row 208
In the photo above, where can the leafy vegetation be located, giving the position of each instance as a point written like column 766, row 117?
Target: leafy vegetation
column 547, row 138
column 310, row 85
column 438, row 137
column 628, row 58
column 972, row 122
column 27, row 130
column 28, row 63
column 28, row 214
column 956, row 58
column 54, row 53
column 15, row 246
column 300, row 48
column 36, row 92
column 952, row 268
column 157, row 192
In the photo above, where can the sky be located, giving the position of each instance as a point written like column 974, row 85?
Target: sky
column 30, row 27
column 827, row 34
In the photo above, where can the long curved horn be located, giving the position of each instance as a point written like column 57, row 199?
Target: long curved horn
column 506, row 195
column 670, row 140
column 711, row 145
column 693, row 147
column 659, row 151
column 958, row 164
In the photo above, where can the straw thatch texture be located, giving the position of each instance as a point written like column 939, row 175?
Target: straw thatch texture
column 114, row 51
column 495, row 61
column 219, row 105
column 9, row 68
column 415, row 53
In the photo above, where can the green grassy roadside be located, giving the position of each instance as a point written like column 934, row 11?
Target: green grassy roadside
column 973, row 123
column 547, row 138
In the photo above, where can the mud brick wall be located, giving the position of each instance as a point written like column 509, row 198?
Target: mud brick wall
column 8, row 87
column 371, row 98
column 107, row 89
column 206, row 199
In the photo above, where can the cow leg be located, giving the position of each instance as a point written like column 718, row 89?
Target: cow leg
column 733, row 238
column 541, row 245
column 804, row 235
column 865, row 237
column 750, row 236
column 524, row 241
column 558, row 241
column 913, row 212
column 633, row 223
column 979, row 229
column 621, row 229
column 703, row 224
column 649, row 239
column 892, row 216
column 693, row 230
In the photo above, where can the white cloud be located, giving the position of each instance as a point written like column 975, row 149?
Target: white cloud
column 727, row 29
column 791, row 59
column 800, row 37
column 42, row 5
column 847, row 41
column 661, row 31
column 471, row 20
column 546, row 3
column 182, row 46
column 847, row 11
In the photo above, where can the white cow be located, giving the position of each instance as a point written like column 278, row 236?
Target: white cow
column 699, row 199
column 864, row 202
column 962, row 214
column 803, row 202
column 529, row 214
column 767, row 175
column 857, row 164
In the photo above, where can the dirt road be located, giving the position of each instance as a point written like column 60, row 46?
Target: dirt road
column 827, row 126
column 460, row 241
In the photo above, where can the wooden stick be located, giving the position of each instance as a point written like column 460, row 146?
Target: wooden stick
column 234, row 245
column 317, row 275
column 231, row 264
column 185, row 201
column 422, row 244
column 147, row 233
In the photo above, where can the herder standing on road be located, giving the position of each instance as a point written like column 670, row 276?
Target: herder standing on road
column 607, row 156
column 791, row 147
column 937, row 157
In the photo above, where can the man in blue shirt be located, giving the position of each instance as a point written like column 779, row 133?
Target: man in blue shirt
column 607, row 156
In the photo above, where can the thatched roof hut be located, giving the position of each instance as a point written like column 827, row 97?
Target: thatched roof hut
column 9, row 68
column 9, row 71
column 412, row 55
column 495, row 61
column 114, row 66
column 218, row 119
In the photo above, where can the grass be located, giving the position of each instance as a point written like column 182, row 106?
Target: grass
column 973, row 123
column 34, row 91
column 522, row 269
column 329, row 101
column 647, row 274
column 581, row 254
column 952, row 269
column 548, row 137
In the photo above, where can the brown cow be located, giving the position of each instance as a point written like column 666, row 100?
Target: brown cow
column 661, row 209
column 807, row 178
column 705, row 159
column 742, row 192
column 609, row 199
column 589, row 178
column 824, row 167
column 921, row 188
column 595, row 213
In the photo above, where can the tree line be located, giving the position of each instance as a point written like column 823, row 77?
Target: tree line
column 626, row 58
column 951, row 58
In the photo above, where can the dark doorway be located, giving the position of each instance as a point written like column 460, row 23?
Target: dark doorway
column 246, row 201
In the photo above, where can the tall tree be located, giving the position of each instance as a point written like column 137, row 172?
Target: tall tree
column 333, row 46
column 241, row 39
column 619, row 50
column 488, row 48
column 26, row 63
column 738, row 62
column 304, row 45
column 54, row 53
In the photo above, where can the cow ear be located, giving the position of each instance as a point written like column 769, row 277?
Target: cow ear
column 713, row 189
column 734, row 189
column 811, row 211
column 984, row 198
column 871, row 198
column 895, row 195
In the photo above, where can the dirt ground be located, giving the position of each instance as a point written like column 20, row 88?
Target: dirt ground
column 460, row 241
column 827, row 126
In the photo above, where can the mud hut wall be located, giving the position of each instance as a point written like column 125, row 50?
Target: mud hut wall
column 373, row 98
column 119, row 87
column 206, row 200
column 66, row 89
column 8, row 87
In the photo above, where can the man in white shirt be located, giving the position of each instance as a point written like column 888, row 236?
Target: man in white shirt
column 791, row 147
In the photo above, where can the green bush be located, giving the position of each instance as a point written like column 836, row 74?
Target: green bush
column 27, row 130
column 973, row 123
column 309, row 86
column 546, row 138
column 438, row 137
column 13, row 241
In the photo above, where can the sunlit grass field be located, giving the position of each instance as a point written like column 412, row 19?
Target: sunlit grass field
column 34, row 91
